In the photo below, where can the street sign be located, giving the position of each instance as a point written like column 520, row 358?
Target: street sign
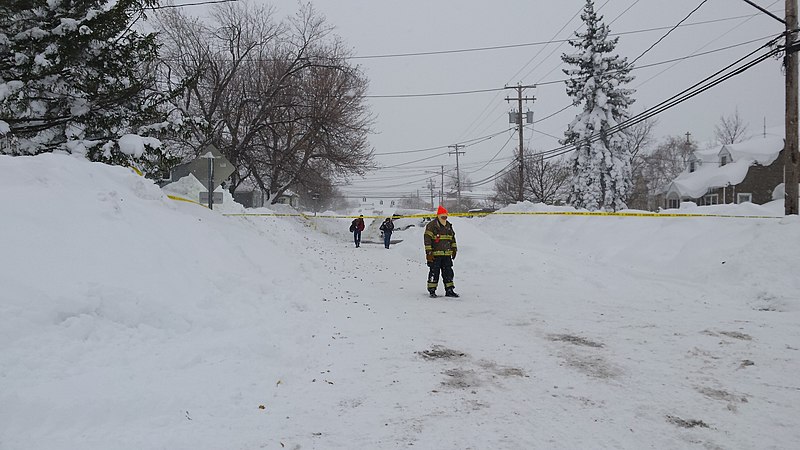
column 222, row 168
column 217, row 197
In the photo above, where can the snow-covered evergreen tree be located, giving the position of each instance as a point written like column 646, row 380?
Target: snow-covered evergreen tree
column 600, row 164
column 76, row 76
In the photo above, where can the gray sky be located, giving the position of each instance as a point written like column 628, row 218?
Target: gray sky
column 375, row 27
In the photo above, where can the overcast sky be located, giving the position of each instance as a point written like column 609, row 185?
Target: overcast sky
column 375, row 27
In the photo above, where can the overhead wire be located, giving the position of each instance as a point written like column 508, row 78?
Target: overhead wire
column 610, row 34
column 707, row 83
column 495, row 155
column 695, row 53
column 562, row 80
column 668, row 32
column 468, row 142
column 181, row 5
column 494, row 99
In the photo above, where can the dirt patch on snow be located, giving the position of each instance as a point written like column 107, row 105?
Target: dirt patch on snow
column 440, row 352
column 683, row 423
column 576, row 340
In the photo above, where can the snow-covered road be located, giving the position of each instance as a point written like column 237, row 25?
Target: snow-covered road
column 130, row 321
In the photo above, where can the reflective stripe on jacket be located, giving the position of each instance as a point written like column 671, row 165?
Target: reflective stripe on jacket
column 440, row 240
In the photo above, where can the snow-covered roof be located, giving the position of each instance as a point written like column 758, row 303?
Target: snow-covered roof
column 695, row 184
column 707, row 154
column 763, row 151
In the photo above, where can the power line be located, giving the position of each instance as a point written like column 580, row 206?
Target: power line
column 495, row 155
column 493, row 101
column 208, row 2
column 707, row 83
column 416, row 160
column 576, row 30
column 435, row 94
column 686, row 94
column 562, row 80
column 470, row 143
column 704, row 46
column 668, row 32
column 610, row 34
column 683, row 58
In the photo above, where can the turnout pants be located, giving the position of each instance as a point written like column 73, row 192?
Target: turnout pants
column 443, row 264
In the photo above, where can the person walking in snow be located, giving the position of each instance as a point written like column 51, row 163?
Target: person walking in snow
column 357, row 226
column 387, row 227
column 440, row 251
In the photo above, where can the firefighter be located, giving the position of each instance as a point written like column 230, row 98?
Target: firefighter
column 440, row 251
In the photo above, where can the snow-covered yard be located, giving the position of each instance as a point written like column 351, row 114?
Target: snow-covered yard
column 131, row 321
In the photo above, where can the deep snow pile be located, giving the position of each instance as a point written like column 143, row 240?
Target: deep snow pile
column 121, row 308
column 128, row 320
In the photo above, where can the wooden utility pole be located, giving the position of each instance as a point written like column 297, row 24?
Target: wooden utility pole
column 791, row 144
column 432, row 186
column 441, row 189
column 519, row 88
column 455, row 148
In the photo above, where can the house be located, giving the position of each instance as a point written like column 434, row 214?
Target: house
column 249, row 198
column 290, row 198
column 733, row 173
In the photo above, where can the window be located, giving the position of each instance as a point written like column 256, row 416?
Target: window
column 744, row 197
column 711, row 199
column 673, row 203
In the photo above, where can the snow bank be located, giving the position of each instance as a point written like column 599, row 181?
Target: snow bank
column 128, row 320
column 119, row 306
column 190, row 188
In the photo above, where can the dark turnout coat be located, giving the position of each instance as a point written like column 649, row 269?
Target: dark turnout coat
column 440, row 240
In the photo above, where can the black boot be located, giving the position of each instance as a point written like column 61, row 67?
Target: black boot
column 451, row 293
column 432, row 293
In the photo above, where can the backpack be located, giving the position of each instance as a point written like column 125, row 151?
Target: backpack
column 353, row 226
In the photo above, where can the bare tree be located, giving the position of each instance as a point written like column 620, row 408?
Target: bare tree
column 659, row 167
column 731, row 129
column 546, row 181
column 638, row 140
column 506, row 188
column 279, row 99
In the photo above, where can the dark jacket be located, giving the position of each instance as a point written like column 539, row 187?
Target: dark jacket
column 440, row 240
column 358, row 224
column 387, row 226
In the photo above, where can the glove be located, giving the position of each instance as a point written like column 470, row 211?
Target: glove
column 429, row 257
column 454, row 254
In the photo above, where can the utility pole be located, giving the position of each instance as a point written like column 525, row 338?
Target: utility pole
column 441, row 189
column 791, row 143
column 431, row 186
column 455, row 148
column 790, row 147
column 519, row 88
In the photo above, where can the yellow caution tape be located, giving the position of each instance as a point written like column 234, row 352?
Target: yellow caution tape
column 181, row 199
column 531, row 213
column 482, row 214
